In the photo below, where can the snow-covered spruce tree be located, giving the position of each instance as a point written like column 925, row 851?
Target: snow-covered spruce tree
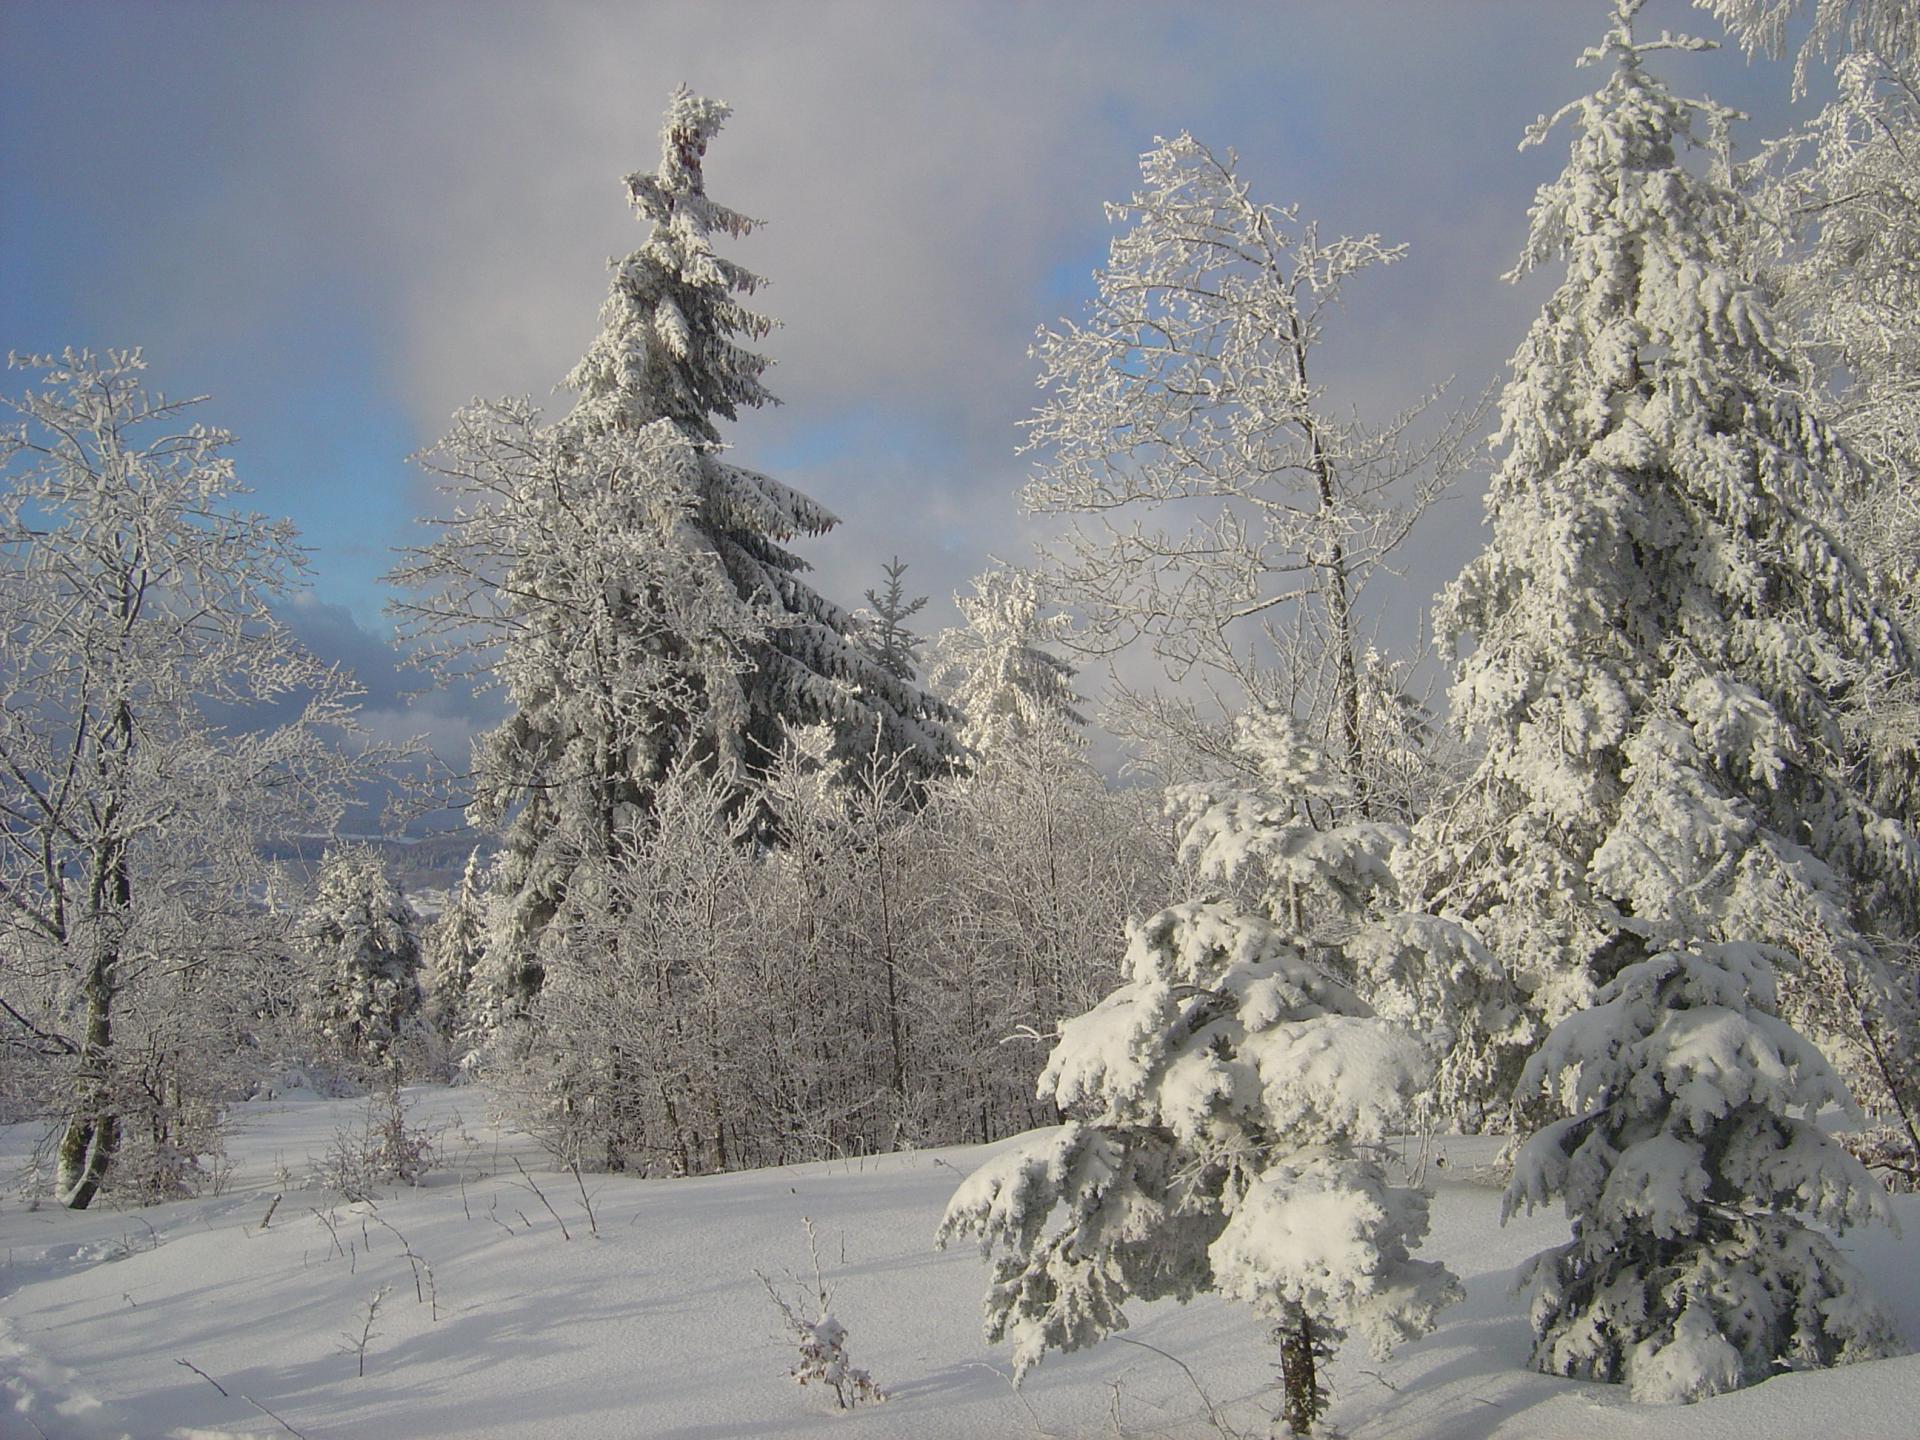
column 138, row 650
column 453, row 954
column 631, row 591
column 1670, row 635
column 1234, row 1086
column 1834, row 235
column 994, row 671
column 1268, row 825
column 1222, row 508
column 362, row 937
column 1692, row 1269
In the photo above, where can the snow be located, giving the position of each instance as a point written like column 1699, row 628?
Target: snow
column 658, row 1326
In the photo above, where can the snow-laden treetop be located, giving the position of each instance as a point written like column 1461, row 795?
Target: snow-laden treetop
column 669, row 347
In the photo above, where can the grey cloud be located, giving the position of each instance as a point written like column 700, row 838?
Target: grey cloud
column 397, row 702
column 449, row 174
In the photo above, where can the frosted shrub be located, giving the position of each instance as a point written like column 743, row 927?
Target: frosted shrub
column 823, row 1361
column 385, row 1150
column 1690, row 1187
column 168, row 1152
column 822, row 1340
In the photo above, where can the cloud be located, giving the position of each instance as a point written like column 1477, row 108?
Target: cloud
column 397, row 703
column 440, row 183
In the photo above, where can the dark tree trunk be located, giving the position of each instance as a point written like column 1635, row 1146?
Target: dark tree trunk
column 1305, row 1399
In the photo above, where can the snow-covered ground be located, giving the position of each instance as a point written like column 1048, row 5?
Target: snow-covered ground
column 658, row 1326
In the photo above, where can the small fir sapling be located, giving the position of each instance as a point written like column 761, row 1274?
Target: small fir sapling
column 1424, row 972
column 1235, row 1088
column 1692, row 1269
column 455, row 952
column 883, row 629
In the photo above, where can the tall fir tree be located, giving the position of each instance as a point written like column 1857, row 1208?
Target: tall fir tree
column 1671, row 639
column 670, row 350
column 631, row 590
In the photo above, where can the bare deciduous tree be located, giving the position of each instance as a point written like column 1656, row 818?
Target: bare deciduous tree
column 1229, row 514
column 138, row 644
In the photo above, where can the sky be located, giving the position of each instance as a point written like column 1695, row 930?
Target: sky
column 342, row 221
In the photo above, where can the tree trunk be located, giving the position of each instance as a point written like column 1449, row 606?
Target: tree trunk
column 619, row 1142
column 1347, row 683
column 93, row 1131
column 1338, row 584
column 897, row 1048
column 1300, row 1352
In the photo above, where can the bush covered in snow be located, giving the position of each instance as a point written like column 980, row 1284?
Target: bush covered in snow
column 385, row 1149
column 1692, row 1268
